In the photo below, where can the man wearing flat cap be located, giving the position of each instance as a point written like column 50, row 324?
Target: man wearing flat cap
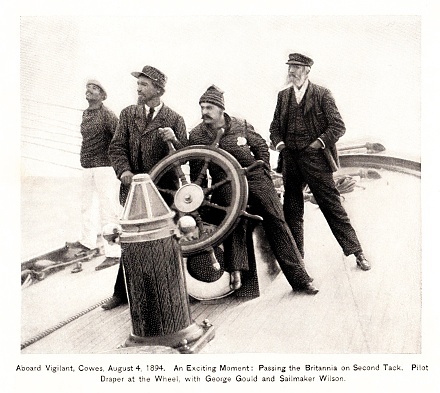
column 140, row 142
column 98, row 178
column 247, row 146
column 305, row 128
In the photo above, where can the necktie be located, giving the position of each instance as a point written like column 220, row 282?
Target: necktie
column 150, row 115
column 149, row 118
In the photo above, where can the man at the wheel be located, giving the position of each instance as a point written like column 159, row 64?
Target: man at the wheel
column 247, row 146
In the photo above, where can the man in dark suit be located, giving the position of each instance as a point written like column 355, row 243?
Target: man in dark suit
column 140, row 142
column 305, row 128
column 247, row 146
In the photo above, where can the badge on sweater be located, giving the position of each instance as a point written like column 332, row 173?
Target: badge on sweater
column 241, row 141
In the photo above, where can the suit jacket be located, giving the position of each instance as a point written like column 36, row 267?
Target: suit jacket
column 137, row 146
column 133, row 135
column 321, row 115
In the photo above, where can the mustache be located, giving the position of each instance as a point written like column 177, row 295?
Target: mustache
column 206, row 117
column 290, row 77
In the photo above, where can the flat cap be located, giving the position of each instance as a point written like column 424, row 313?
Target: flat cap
column 154, row 74
column 298, row 58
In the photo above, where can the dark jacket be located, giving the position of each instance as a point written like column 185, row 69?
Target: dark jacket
column 247, row 146
column 321, row 115
column 133, row 134
column 240, row 139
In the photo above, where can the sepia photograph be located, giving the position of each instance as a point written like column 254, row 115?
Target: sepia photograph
column 233, row 198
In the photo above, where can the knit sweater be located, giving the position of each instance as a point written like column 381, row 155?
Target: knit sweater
column 97, row 129
column 240, row 139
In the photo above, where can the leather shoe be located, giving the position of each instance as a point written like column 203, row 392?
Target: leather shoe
column 362, row 262
column 107, row 263
column 308, row 289
column 113, row 302
column 235, row 280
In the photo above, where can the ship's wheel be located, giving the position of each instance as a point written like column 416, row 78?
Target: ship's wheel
column 207, row 188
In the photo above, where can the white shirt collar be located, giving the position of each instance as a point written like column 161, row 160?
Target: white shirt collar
column 299, row 93
column 156, row 109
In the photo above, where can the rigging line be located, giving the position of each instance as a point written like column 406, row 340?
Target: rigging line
column 51, row 132
column 52, row 125
column 50, row 140
column 61, row 324
column 47, row 103
column 49, row 118
column 51, row 162
column 50, row 147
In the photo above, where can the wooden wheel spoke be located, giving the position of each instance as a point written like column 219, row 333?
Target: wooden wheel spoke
column 215, row 206
column 203, row 231
column 199, row 221
column 202, row 172
column 166, row 191
column 217, row 185
column 179, row 172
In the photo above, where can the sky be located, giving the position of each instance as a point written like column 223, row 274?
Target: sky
column 371, row 64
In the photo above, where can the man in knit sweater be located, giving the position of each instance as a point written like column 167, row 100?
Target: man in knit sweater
column 99, row 183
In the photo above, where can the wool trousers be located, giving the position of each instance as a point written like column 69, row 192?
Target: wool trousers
column 309, row 166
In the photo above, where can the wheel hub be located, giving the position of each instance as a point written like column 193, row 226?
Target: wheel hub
column 189, row 198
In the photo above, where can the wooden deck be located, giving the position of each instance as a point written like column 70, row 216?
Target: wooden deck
column 372, row 312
